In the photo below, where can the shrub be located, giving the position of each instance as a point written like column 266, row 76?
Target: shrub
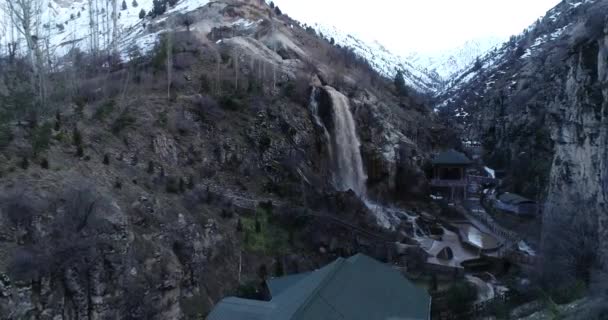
column 206, row 108
column 182, row 185
column 6, row 136
column 227, row 214
column 173, row 185
column 569, row 292
column 18, row 209
column 44, row 164
column 191, row 182
column 150, row 167
column 258, row 226
column 106, row 159
column 79, row 151
column 41, row 138
column 460, row 297
column 249, row 290
column 278, row 268
column 231, row 103
column 239, row 226
column 105, row 109
column 268, row 206
column 124, row 121
column 25, row 163
column 76, row 137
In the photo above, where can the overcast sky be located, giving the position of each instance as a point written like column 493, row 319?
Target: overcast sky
column 425, row 26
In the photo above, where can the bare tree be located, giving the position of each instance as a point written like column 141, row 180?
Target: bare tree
column 25, row 15
column 169, row 48
column 94, row 26
column 236, row 69
column 569, row 248
column 114, row 26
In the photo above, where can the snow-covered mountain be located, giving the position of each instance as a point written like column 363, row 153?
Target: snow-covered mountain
column 552, row 30
column 447, row 63
column 66, row 25
column 384, row 61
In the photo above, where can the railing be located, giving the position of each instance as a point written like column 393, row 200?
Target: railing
column 448, row 183
column 481, row 179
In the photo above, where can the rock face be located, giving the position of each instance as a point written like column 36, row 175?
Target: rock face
column 540, row 105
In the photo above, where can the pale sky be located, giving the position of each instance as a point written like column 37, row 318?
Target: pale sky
column 425, row 26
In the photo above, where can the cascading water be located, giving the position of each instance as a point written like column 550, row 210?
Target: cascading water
column 314, row 110
column 345, row 154
column 348, row 165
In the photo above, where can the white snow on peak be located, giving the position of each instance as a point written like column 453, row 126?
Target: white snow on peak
column 381, row 59
column 449, row 63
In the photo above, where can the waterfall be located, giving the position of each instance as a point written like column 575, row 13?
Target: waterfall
column 348, row 165
column 345, row 154
column 314, row 110
column 349, row 173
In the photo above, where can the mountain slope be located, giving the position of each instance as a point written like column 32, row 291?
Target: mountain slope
column 448, row 63
column 385, row 62
column 152, row 188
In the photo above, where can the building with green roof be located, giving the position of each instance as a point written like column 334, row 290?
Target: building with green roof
column 357, row 288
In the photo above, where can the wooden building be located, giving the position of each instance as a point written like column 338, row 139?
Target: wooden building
column 450, row 174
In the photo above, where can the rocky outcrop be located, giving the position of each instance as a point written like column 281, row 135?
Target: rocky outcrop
column 578, row 183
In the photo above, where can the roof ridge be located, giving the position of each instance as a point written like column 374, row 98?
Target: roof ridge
column 321, row 285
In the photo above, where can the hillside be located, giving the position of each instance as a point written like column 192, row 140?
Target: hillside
column 152, row 188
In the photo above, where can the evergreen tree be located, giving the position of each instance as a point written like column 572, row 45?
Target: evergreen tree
column 158, row 7
column 478, row 65
column 106, row 159
column 400, row 84
column 172, row 3
column 134, row 4
column 124, row 5
column 77, row 137
column 142, row 14
column 44, row 164
column 79, row 151
column 258, row 226
column 25, row 163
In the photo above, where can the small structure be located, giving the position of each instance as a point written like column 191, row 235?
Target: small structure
column 449, row 172
column 357, row 288
column 516, row 204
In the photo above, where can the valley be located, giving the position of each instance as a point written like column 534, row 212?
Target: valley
column 221, row 160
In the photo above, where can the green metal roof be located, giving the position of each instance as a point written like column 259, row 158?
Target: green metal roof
column 451, row 157
column 278, row 285
column 358, row 288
